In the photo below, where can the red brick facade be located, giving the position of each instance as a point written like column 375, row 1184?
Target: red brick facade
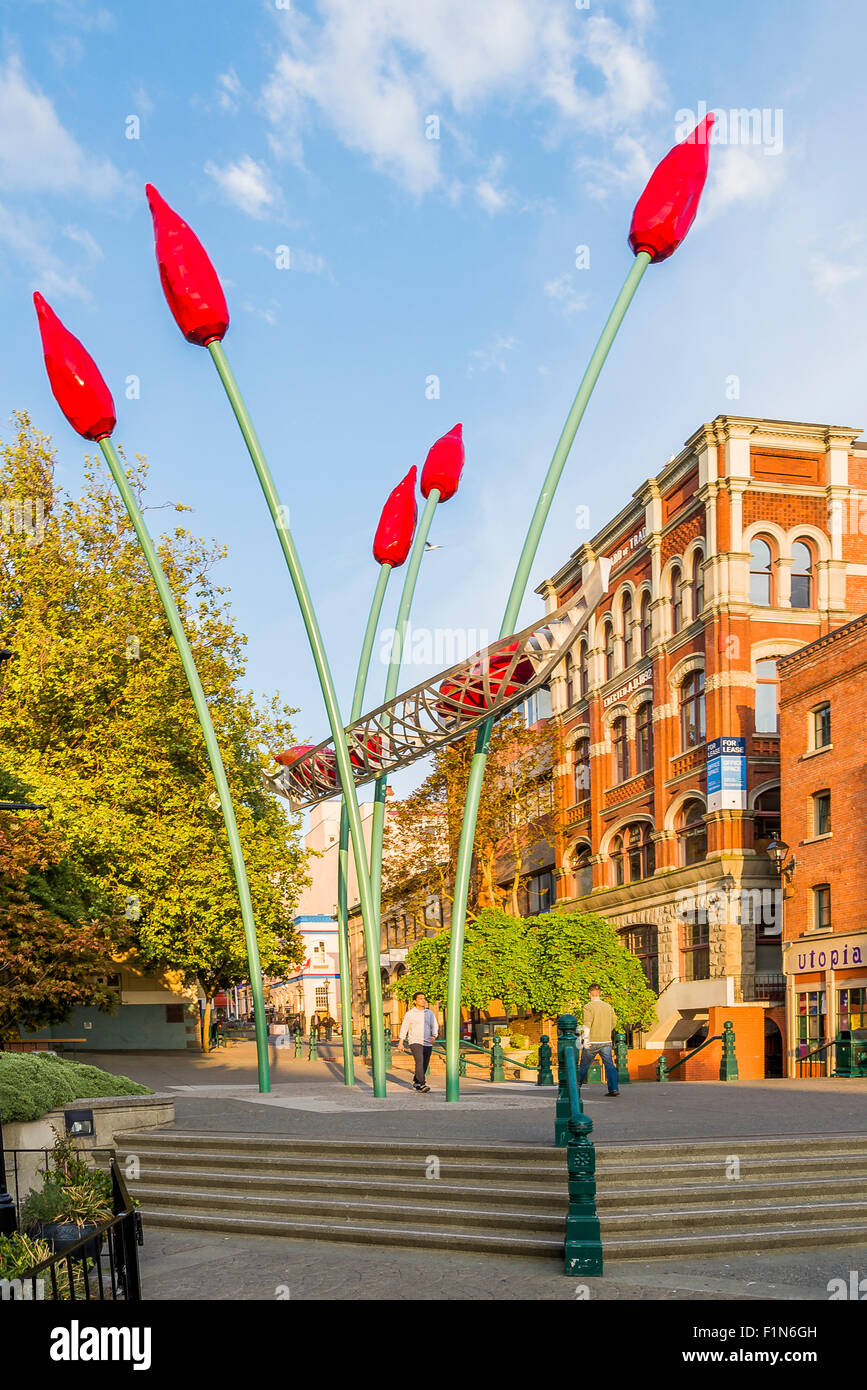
column 737, row 554
column 822, row 718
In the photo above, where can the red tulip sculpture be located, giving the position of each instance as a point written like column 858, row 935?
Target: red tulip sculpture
column 666, row 209
column 76, row 382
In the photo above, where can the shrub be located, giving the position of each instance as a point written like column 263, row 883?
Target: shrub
column 520, row 1041
column 32, row 1083
column 532, row 1057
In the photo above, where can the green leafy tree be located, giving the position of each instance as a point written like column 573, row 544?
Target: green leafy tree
column 97, row 717
column 545, row 963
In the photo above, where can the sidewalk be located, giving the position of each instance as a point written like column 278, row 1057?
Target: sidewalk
column 219, row 1094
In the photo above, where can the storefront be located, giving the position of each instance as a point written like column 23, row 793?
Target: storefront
column 826, row 993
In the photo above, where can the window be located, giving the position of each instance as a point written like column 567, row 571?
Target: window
column 766, row 821
column 676, row 599
column 582, row 769
column 536, row 707
column 643, row 943
column 538, row 894
column 571, row 681
column 646, row 624
column 692, row 710
column 761, row 561
column 852, row 1008
column 822, row 726
column 822, row 813
column 822, row 907
column 627, row 629
column 693, row 833
column 615, row 854
column 582, row 870
column 802, row 575
column 583, row 677
column 641, row 854
column 644, row 737
column 767, row 697
column 695, row 949
column 609, row 651
column 322, row 997
column 697, row 584
column 619, row 739
column 811, row 1020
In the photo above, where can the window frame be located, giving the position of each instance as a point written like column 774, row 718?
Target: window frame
column 676, row 599
column 626, row 624
column 815, row 713
column 764, row 682
column 821, row 798
column 809, row 575
column 820, row 915
column 644, row 745
column 767, row 574
column 693, row 701
column 620, row 748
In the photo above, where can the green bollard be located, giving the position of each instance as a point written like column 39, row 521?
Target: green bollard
column 728, row 1065
column 497, row 1073
column 299, row 1044
column 546, row 1075
column 364, row 1044
column 567, row 1028
column 312, row 1054
column 387, row 1048
column 583, row 1253
column 621, row 1058
column 662, row 1069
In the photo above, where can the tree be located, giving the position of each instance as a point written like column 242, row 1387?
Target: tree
column 56, row 931
column 544, row 963
column 97, row 717
column 514, row 813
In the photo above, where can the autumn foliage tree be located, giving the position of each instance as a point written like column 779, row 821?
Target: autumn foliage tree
column 96, row 716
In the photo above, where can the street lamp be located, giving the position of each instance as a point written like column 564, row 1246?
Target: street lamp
column 777, row 851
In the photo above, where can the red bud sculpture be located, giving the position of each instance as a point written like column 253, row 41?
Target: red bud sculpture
column 666, row 209
column 396, row 525
column 444, row 465
column 190, row 282
column 76, row 381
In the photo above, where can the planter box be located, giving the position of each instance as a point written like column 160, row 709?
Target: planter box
column 111, row 1115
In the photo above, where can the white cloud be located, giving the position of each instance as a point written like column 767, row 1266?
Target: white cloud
column 562, row 290
column 739, row 174
column 374, row 72
column 246, row 184
column 31, row 242
column 493, row 357
column 230, row 90
column 37, row 154
column 83, row 238
column 827, row 275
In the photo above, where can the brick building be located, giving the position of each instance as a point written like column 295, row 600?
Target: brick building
column 737, row 554
column 824, row 780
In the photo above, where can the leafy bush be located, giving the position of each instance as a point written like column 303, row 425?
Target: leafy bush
column 71, row 1192
column 532, row 1057
column 20, row 1253
column 519, row 1041
column 32, row 1083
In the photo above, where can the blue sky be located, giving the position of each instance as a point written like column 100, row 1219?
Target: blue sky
column 306, row 127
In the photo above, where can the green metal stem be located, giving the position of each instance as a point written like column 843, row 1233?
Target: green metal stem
column 395, row 658
column 510, row 620
column 213, row 748
column 280, row 517
column 343, row 844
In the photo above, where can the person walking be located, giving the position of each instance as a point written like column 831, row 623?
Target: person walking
column 420, row 1027
column 600, row 1020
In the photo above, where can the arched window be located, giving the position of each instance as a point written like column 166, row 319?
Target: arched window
column 692, row 710
column 571, row 681
column 646, row 624
column 676, row 599
column 620, row 742
column 581, row 769
column 615, row 854
column 767, row 697
column 640, row 851
column 626, row 612
column 609, row 651
column 761, row 563
column 697, row 584
column 692, row 833
column 766, row 821
column 582, row 869
column 644, row 737
column 802, row 575
column 583, row 677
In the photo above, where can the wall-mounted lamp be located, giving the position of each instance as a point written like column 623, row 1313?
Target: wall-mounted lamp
column 777, row 851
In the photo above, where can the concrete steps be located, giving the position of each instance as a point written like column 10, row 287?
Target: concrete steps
column 655, row 1200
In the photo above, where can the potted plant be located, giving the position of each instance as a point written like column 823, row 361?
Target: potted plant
column 71, row 1203
column 20, row 1254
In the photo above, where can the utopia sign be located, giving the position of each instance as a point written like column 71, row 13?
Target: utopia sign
column 846, row 953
